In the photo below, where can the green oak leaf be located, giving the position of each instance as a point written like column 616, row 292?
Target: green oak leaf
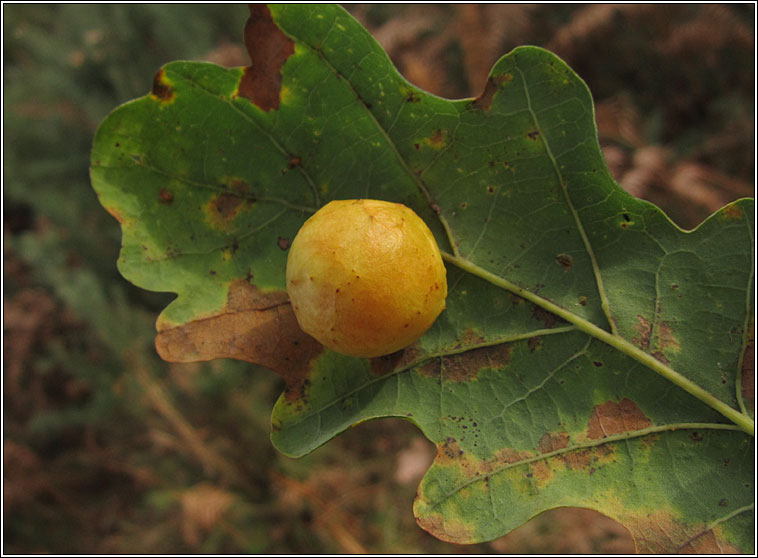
column 591, row 354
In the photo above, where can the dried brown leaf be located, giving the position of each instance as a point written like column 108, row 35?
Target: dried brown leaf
column 253, row 326
column 269, row 49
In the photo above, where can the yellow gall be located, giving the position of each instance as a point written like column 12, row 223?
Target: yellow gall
column 365, row 277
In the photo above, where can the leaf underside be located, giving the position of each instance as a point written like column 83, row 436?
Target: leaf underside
column 212, row 174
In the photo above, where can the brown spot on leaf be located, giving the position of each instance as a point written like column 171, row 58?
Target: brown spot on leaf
column 660, row 357
column 540, row 471
column 649, row 441
column 506, row 456
column 161, row 89
column 449, row 453
column 253, row 326
column 696, row 437
column 466, row 366
column 666, row 338
column 412, row 97
column 552, row 441
column 430, row 368
column 387, row 364
column 445, row 528
column 116, row 214
column 533, row 135
column 644, row 329
column 165, row 196
column 448, row 450
column 656, row 532
column 269, row 48
column 708, row 543
column 615, row 418
column 295, row 162
column 547, row 318
column 222, row 208
column 578, row 459
column 237, row 185
column 484, row 101
column 586, row 459
column 438, row 139
column 731, row 212
column 534, row 343
column 661, row 532
column 283, row 242
column 565, row 261
column 471, row 337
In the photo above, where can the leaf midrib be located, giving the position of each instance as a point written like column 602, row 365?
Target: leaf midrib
column 391, row 144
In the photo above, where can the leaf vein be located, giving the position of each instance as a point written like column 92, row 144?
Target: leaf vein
column 625, row 436
column 279, row 147
column 596, row 269
column 391, row 144
column 429, row 357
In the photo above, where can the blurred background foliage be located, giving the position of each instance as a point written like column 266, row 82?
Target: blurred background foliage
column 107, row 449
